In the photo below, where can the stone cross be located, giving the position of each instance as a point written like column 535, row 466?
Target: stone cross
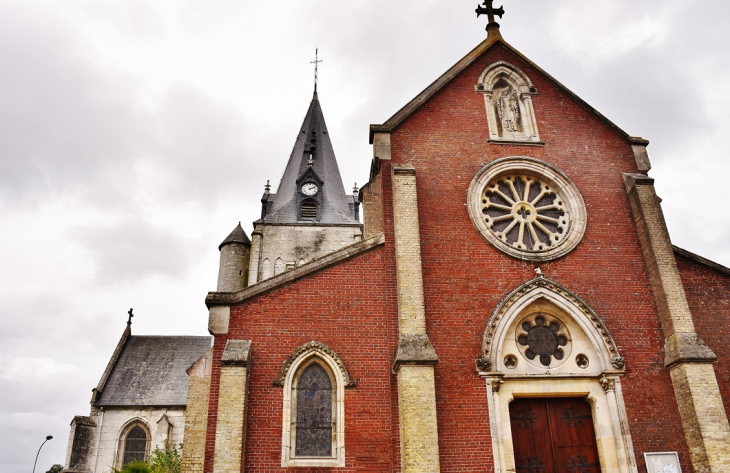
column 316, row 66
column 129, row 321
column 489, row 10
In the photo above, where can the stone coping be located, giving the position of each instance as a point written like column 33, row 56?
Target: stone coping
column 699, row 259
column 230, row 298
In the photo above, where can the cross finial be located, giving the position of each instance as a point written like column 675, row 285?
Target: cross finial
column 129, row 321
column 316, row 66
column 267, row 187
column 490, row 11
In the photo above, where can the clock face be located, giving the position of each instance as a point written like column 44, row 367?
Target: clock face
column 309, row 188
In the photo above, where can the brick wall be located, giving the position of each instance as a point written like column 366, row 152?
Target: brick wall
column 351, row 309
column 465, row 277
column 708, row 295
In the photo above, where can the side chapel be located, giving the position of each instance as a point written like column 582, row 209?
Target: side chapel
column 512, row 302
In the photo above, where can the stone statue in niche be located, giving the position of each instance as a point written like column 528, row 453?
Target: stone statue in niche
column 508, row 110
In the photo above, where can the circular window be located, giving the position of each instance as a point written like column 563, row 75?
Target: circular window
column 527, row 208
column 543, row 340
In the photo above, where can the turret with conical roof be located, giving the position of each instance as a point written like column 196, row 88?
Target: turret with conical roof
column 310, row 214
column 233, row 270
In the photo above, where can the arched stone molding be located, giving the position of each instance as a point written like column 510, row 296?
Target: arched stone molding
column 122, row 438
column 312, row 349
column 508, row 95
column 295, row 365
column 510, row 373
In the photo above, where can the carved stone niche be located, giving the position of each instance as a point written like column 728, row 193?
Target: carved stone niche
column 508, row 100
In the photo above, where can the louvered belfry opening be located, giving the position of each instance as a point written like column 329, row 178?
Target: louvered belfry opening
column 309, row 210
column 135, row 445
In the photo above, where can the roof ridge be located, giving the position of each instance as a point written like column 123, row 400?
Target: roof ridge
column 436, row 86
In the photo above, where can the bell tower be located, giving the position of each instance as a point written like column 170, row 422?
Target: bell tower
column 310, row 215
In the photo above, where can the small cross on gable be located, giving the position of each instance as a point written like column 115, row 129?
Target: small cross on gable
column 489, row 10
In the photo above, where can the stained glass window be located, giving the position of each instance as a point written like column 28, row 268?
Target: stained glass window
column 314, row 413
column 135, row 445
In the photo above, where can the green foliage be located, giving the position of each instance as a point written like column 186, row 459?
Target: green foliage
column 165, row 460
column 55, row 468
column 135, row 466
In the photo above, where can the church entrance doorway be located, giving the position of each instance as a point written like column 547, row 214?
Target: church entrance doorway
column 553, row 435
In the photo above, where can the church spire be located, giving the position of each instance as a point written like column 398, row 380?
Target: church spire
column 311, row 189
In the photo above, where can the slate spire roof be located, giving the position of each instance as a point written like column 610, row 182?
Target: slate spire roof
column 236, row 236
column 313, row 142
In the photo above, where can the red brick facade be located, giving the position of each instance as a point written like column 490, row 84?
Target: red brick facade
column 352, row 308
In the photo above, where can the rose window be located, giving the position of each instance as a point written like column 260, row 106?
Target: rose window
column 525, row 212
column 543, row 338
column 527, row 209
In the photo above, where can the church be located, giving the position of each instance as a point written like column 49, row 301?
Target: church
column 512, row 302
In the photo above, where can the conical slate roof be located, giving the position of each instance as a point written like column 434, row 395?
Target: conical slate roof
column 236, row 236
column 335, row 202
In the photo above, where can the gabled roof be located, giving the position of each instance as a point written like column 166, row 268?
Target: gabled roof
column 335, row 202
column 700, row 260
column 494, row 38
column 150, row 371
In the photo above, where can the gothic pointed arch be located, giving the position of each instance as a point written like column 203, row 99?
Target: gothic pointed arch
column 313, row 428
column 133, row 441
column 508, row 96
column 544, row 344
column 546, row 310
column 310, row 349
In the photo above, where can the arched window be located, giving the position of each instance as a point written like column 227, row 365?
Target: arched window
column 279, row 266
column 309, row 210
column 266, row 269
column 314, row 380
column 135, row 445
column 134, row 442
column 313, row 413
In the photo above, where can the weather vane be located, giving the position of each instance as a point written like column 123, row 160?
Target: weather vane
column 490, row 11
column 316, row 66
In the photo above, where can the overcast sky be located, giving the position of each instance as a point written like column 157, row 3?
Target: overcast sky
column 135, row 134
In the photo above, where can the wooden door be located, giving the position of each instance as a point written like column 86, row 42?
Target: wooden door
column 553, row 435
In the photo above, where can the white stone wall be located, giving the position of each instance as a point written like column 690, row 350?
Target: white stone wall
column 110, row 427
column 293, row 245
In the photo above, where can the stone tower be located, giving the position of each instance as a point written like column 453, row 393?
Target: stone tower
column 235, row 251
column 310, row 215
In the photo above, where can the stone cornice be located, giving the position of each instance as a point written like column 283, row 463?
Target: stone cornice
column 230, row 298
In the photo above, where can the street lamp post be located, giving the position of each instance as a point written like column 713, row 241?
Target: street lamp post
column 48, row 437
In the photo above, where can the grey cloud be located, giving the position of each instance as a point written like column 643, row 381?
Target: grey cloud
column 63, row 121
column 133, row 250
